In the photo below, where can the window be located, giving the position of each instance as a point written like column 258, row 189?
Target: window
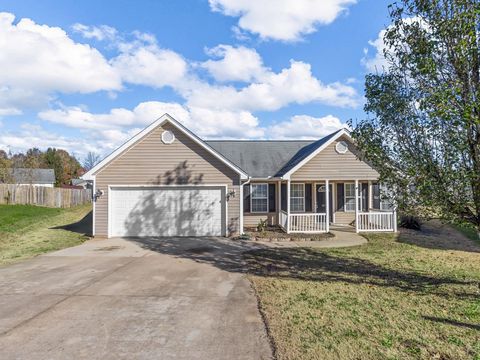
column 349, row 197
column 259, row 198
column 341, row 147
column 297, row 197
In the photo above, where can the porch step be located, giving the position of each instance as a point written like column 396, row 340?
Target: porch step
column 342, row 228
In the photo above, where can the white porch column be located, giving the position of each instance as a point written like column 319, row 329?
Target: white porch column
column 395, row 219
column 279, row 200
column 356, row 205
column 327, row 203
column 288, row 206
column 241, row 209
column 370, row 195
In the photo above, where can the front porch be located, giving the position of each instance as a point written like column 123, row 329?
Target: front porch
column 356, row 204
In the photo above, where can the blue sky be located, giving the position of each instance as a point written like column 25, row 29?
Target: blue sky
column 86, row 75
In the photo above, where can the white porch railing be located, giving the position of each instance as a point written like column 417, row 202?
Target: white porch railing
column 377, row 221
column 308, row 223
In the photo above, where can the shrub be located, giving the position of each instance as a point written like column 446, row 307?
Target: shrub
column 262, row 225
column 410, row 222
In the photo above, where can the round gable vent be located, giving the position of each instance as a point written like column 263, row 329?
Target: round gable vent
column 168, row 137
column 341, row 147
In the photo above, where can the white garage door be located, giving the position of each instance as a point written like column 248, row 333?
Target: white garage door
column 167, row 211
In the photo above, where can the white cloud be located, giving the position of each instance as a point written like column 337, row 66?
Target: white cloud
column 295, row 84
column 150, row 65
column 204, row 122
column 236, row 64
column 378, row 62
column 101, row 32
column 35, row 136
column 211, row 124
column 285, row 20
column 305, row 127
column 38, row 60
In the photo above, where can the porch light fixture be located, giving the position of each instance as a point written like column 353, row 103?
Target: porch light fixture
column 168, row 137
column 97, row 194
column 341, row 147
column 230, row 194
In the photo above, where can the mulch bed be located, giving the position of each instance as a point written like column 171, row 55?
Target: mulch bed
column 274, row 234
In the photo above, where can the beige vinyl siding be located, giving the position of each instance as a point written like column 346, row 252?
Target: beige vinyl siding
column 344, row 217
column 251, row 220
column 328, row 164
column 151, row 162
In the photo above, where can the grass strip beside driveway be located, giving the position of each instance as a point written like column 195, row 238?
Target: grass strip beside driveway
column 27, row 231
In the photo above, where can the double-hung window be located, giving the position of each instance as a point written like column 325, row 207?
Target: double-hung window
column 297, row 197
column 349, row 196
column 259, row 198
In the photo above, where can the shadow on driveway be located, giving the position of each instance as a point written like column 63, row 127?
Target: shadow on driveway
column 298, row 263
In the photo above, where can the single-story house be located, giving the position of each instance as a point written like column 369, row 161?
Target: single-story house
column 166, row 181
column 35, row 177
column 82, row 184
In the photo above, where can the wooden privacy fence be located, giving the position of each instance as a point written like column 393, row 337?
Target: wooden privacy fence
column 43, row 196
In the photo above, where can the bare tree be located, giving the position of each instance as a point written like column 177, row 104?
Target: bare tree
column 90, row 160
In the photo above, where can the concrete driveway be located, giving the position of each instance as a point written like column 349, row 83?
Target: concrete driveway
column 150, row 299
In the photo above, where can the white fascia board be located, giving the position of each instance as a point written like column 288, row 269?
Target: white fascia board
column 164, row 118
column 343, row 132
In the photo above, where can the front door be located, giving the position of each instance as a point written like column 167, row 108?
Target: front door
column 321, row 200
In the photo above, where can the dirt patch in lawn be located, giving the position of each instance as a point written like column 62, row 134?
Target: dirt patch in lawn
column 438, row 235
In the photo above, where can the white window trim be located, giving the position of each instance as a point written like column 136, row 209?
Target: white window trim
column 345, row 196
column 251, row 200
column 297, row 197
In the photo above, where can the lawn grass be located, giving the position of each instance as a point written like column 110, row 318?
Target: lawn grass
column 384, row 300
column 27, row 231
column 468, row 231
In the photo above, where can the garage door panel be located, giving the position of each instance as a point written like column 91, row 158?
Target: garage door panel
column 167, row 211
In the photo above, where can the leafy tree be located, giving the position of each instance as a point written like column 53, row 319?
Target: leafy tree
column 5, row 165
column 90, row 160
column 423, row 130
column 65, row 166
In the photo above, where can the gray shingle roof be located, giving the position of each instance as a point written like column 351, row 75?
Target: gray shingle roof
column 259, row 159
column 267, row 158
column 33, row 176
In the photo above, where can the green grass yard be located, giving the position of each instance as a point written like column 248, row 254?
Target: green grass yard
column 411, row 297
column 27, row 231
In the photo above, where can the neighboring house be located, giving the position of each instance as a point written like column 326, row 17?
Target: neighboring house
column 82, row 184
column 35, row 177
column 166, row 181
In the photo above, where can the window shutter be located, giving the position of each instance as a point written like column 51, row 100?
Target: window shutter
column 308, row 197
column 246, row 198
column 272, row 196
column 340, row 197
column 364, row 197
column 284, row 197
column 376, row 195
